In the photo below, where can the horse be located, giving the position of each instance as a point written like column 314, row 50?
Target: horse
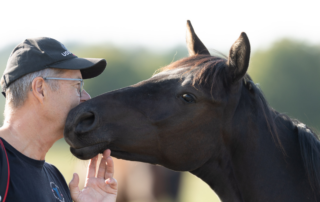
column 205, row 115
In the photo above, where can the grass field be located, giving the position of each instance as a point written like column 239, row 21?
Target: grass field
column 192, row 190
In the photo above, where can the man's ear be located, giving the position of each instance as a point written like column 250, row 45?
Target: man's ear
column 239, row 56
column 37, row 87
column 194, row 44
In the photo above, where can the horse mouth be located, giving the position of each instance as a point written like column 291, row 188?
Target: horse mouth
column 88, row 152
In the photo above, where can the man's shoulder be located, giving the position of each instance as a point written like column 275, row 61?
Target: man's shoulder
column 3, row 155
column 52, row 168
column 54, row 173
column 4, row 170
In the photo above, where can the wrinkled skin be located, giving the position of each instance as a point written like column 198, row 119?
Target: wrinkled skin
column 216, row 129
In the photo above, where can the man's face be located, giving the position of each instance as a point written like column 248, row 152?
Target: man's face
column 61, row 101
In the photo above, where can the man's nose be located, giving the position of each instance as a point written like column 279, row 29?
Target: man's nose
column 84, row 96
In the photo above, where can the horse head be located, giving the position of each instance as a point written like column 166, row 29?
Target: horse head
column 184, row 108
column 204, row 114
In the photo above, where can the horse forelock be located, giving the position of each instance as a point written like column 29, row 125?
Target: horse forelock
column 204, row 70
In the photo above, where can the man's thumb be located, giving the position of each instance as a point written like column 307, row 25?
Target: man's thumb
column 73, row 186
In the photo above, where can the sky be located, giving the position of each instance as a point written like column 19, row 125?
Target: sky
column 159, row 25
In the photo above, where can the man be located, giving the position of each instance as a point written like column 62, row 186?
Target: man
column 42, row 83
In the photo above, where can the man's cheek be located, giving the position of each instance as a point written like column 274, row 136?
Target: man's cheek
column 75, row 103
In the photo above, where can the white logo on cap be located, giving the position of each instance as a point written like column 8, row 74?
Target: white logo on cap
column 65, row 53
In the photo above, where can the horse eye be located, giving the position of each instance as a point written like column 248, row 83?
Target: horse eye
column 188, row 98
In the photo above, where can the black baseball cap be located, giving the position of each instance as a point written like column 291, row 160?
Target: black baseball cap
column 40, row 53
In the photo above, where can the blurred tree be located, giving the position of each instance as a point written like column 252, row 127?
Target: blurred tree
column 125, row 67
column 288, row 74
column 4, row 55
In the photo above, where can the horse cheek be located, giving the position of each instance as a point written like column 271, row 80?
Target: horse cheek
column 187, row 153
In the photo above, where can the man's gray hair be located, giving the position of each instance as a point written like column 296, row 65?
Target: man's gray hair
column 17, row 92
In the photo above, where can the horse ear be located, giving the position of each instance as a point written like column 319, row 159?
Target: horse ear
column 195, row 46
column 239, row 56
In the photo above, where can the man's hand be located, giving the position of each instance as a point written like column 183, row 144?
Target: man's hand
column 98, row 188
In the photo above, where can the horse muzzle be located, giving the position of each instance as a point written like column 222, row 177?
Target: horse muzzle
column 80, row 122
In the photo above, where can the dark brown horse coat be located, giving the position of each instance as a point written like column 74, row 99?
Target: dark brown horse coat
column 204, row 114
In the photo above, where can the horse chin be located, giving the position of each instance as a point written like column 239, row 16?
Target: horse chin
column 89, row 152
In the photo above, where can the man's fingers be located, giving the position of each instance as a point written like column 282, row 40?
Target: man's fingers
column 110, row 166
column 106, row 153
column 73, row 186
column 102, row 168
column 92, row 167
column 113, row 183
column 74, row 182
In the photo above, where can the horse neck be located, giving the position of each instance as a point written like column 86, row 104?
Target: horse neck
column 254, row 167
column 221, row 179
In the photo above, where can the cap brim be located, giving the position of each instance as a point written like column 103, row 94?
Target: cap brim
column 89, row 67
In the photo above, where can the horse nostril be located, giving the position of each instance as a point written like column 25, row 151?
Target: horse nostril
column 86, row 122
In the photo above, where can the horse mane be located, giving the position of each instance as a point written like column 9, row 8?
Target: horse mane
column 310, row 152
column 308, row 140
column 208, row 69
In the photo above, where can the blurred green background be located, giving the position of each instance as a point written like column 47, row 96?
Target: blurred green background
column 287, row 71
